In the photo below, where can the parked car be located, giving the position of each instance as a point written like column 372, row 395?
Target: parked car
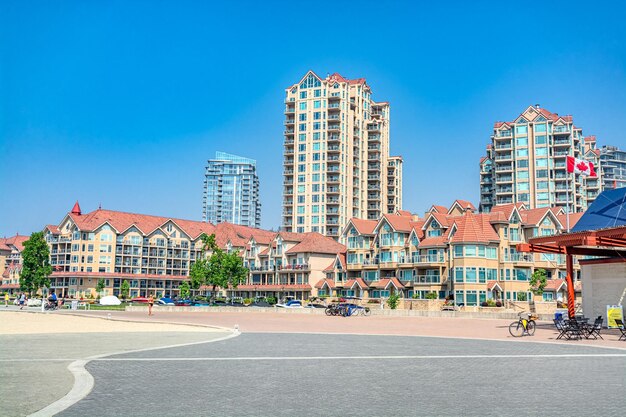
column 165, row 301
column 315, row 305
column 260, row 303
column 140, row 300
column 200, row 303
column 183, row 303
column 290, row 304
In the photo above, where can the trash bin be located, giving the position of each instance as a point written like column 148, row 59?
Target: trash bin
column 558, row 316
column 74, row 304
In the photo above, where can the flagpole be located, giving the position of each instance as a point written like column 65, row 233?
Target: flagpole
column 567, row 201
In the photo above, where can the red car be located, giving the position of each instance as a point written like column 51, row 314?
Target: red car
column 140, row 300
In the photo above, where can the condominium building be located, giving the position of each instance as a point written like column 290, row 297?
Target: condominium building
column 336, row 155
column 11, row 262
column 526, row 163
column 231, row 191
column 450, row 252
column 155, row 254
column 613, row 167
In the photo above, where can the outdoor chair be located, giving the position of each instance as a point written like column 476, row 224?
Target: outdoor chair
column 573, row 330
column 594, row 330
column 620, row 326
column 560, row 326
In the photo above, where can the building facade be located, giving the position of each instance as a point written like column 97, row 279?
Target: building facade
column 526, row 163
column 613, row 167
column 11, row 262
column 450, row 252
column 336, row 155
column 231, row 191
column 155, row 254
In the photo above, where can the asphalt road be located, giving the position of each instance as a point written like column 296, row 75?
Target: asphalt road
column 343, row 375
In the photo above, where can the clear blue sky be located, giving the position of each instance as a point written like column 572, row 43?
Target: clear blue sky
column 121, row 103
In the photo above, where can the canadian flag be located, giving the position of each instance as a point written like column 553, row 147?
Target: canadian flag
column 580, row 166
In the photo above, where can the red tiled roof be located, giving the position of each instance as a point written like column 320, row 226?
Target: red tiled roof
column 554, row 284
column 433, row 241
column 442, row 218
column 507, row 209
column 399, row 223
column 291, row 236
column 439, row 209
column 474, row 228
column 404, row 213
column 121, row 221
column 463, row 204
column 386, row 282
column 573, row 219
column 333, row 265
column 53, row 229
column 532, row 217
column 329, row 282
column 357, row 281
column 492, row 284
column 17, row 241
column 364, row 227
column 316, row 243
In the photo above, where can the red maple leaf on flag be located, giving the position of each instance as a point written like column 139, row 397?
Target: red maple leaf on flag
column 582, row 166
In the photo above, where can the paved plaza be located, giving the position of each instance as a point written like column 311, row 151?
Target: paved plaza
column 264, row 372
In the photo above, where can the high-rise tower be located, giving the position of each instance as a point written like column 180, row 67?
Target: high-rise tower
column 336, row 155
column 526, row 163
column 231, row 191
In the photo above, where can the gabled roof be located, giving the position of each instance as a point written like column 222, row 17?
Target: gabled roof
column 555, row 285
column 17, row 241
column 341, row 258
column 364, row 227
column 491, row 285
column 316, row 243
column 403, row 213
column 387, row 282
column 475, row 228
column 573, row 219
column 325, row 282
column 463, row 204
column 438, row 209
column 398, row 223
column 534, row 217
column 507, row 209
column 356, row 282
column 53, row 229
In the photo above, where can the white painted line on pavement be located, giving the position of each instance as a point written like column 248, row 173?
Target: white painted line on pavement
column 315, row 358
column 84, row 382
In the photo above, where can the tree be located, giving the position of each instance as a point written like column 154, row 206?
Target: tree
column 36, row 264
column 393, row 300
column 100, row 286
column 431, row 295
column 538, row 281
column 183, row 289
column 124, row 289
column 221, row 269
column 521, row 296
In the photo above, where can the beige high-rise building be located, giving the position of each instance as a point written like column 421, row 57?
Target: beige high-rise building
column 526, row 163
column 336, row 159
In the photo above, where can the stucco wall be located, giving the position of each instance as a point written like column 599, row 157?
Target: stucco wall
column 603, row 284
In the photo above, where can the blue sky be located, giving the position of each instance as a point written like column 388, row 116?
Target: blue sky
column 121, row 103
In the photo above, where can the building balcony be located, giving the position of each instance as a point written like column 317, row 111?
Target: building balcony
column 332, row 179
column 503, row 134
column 332, row 158
column 332, row 220
column 561, row 142
column 333, row 138
column 290, row 121
column 373, row 167
column 332, row 190
column 503, row 146
column 504, row 201
column 288, row 132
column 334, row 127
column 333, row 148
column 290, row 109
column 504, row 190
column 504, row 157
column 504, row 168
column 561, row 130
column 333, row 168
column 373, row 127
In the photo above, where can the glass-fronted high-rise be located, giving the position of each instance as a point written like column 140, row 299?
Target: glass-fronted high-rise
column 231, row 191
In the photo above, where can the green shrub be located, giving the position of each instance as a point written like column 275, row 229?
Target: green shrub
column 431, row 295
column 247, row 301
column 271, row 300
column 393, row 300
column 491, row 303
column 521, row 296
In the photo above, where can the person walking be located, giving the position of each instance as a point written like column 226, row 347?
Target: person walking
column 150, row 304
column 22, row 300
column 6, row 299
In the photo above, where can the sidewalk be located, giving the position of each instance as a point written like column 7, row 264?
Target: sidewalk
column 453, row 327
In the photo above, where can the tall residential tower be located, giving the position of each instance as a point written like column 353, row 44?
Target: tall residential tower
column 336, row 155
column 613, row 167
column 526, row 163
column 231, row 191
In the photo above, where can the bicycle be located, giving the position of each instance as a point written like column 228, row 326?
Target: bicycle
column 359, row 310
column 523, row 327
